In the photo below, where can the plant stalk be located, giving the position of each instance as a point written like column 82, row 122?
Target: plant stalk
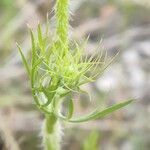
column 51, row 128
column 51, row 133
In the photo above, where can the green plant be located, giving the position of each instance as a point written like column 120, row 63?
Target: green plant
column 91, row 142
column 58, row 69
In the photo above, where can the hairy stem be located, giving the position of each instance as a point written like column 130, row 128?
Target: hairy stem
column 51, row 128
column 62, row 21
column 51, row 133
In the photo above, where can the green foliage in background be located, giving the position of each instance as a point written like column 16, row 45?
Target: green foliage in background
column 6, row 2
column 91, row 142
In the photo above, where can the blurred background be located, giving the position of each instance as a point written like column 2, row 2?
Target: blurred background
column 122, row 25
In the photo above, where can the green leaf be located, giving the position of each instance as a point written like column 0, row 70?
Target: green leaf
column 100, row 114
column 24, row 60
column 33, row 47
column 33, row 57
column 70, row 109
column 40, row 39
column 47, row 26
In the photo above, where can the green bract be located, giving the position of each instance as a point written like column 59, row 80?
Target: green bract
column 55, row 73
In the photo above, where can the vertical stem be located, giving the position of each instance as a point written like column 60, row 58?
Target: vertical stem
column 51, row 133
column 51, row 128
column 62, row 22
